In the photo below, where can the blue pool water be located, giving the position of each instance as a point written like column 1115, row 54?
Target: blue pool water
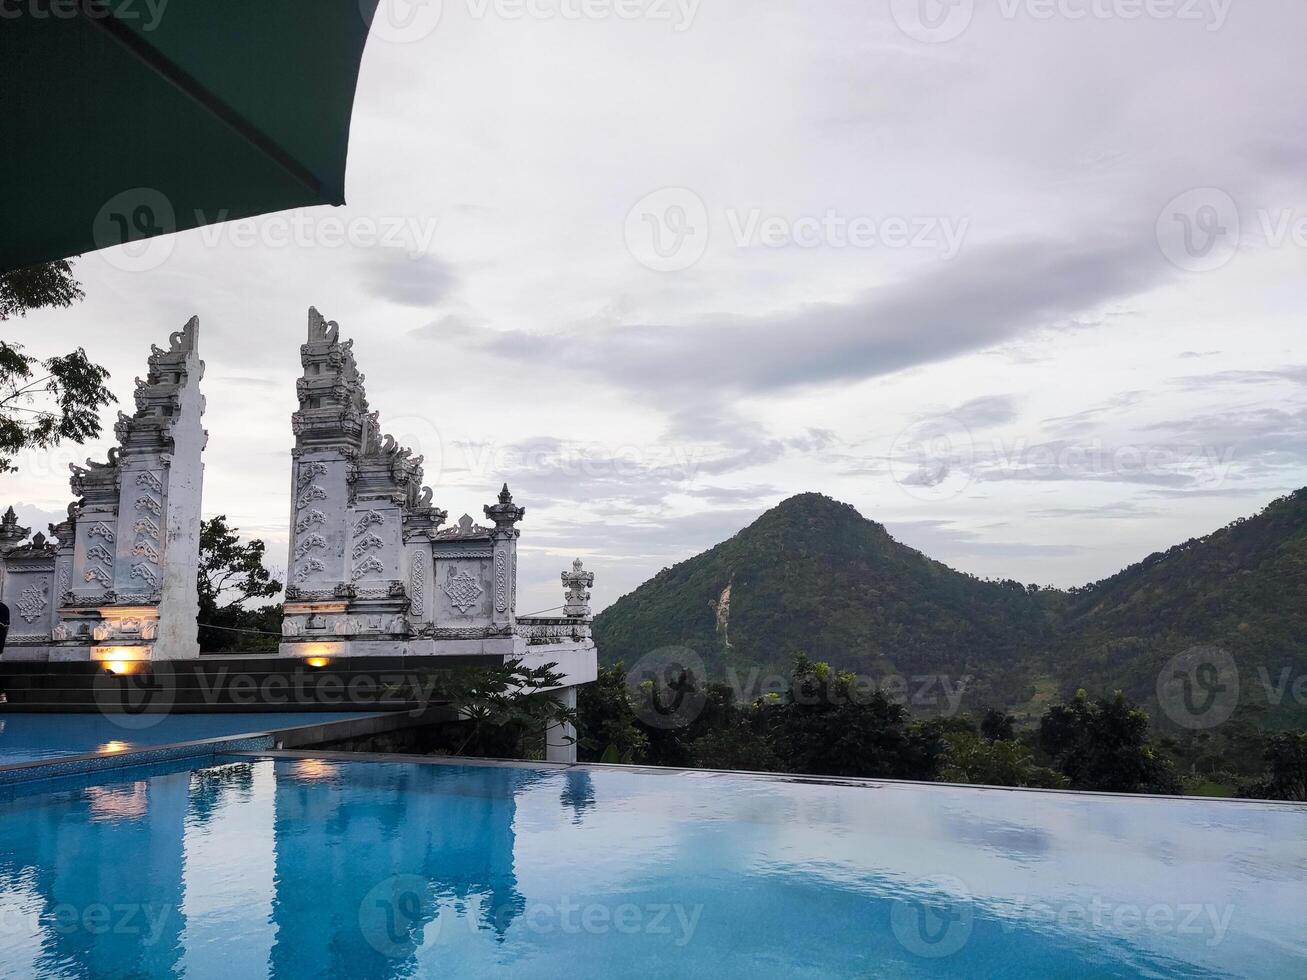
column 32, row 737
column 316, row 868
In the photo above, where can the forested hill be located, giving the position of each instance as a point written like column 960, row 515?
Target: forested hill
column 1242, row 588
column 814, row 576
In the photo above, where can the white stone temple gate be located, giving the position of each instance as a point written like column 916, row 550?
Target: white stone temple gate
column 119, row 581
column 371, row 572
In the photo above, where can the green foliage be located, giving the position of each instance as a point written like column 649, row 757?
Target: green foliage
column 43, row 402
column 1242, row 588
column 813, row 576
column 1286, row 770
column 503, row 708
column 609, row 730
column 38, row 286
column 998, row 726
column 230, row 574
column 830, row 725
column 1102, row 744
column 994, row 762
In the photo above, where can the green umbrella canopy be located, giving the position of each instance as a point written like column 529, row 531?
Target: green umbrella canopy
column 123, row 119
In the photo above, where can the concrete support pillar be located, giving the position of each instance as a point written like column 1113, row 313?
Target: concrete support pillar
column 560, row 740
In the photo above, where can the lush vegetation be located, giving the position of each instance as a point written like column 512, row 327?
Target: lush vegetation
column 44, row 401
column 825, row 723
column 231, row 574
column 812, row 576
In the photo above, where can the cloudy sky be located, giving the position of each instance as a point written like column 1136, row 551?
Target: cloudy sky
column 1023, row 280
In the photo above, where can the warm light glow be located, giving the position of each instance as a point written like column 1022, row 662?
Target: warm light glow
column 312, row 770
column 121, row 667
column 114, row 745
column 317, row 661
column 128, row 656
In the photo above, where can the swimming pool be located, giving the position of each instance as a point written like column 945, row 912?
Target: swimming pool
column 33, row 737
column 317, row 867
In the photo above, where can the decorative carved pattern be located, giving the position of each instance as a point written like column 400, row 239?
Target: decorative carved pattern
column 309, row 519
column 367, row 520
column 464, row 553
column 295, row 594
column 501, row 582
column 98, row 575
column 100, row 529
column 143, row 549
column 148, row 503
column 463, row 590
column 146, row 574
column 149, row 481
column 309, row 472
column 371, row 543
column 308, row 543
column 371, row 564
column 99, row 552
column 32, row 601
column 146, row 526
column 308, row 568
column 314, row 492
column 416, row 578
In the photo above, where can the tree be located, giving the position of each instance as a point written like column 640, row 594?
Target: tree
column 43, row 402
column 828, row 724
column 609, row 730
column 230, row 575
column 1286, row 775
column 38, row 286
column 501, row 708
column 988, row 761
column 1102, row 744
column 998, row 726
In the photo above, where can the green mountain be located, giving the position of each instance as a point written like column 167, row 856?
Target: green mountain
column 1242, row 588
column 813, row 576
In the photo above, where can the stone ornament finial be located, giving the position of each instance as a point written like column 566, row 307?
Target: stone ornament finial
column 576, row 593
column 505, row 513
column 322, row 330
column 11, row 532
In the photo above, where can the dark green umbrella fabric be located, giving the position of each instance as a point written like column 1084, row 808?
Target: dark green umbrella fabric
column 123, row 119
